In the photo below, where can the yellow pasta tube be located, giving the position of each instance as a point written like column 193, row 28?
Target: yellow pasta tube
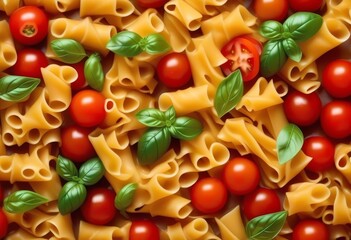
column 9, row 6
column 55, row 6
column 8, row 54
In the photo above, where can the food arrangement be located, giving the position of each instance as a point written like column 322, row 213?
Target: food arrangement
column 175, row 119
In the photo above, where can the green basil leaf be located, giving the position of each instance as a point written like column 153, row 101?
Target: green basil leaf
column 71, row 197
column 267, row 226
column 185, row 128
column 289, row 142
column 170, row 115
column 229, row 93
column 272, row 30
column 125, row 198
column 16, row 88
column 154, row 44
column 68, row 50
column 292, row 49
column 91, row 171
column 151, row 117
column 125, row 43
column 153, row 144
column 93, row 72
column 22, row 201
column 66, row 169
column 273, row 58
column 303, row 25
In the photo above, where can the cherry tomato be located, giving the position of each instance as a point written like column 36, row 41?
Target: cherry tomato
column 75, row 143
column 29, row 63
column 209, row 195
column 98, row 207
column 271, row 9
column 3, row 224
column 302, row 109
column 151, row 3
column 241, row 175
column 144, row 230
column 242, row 53
column 29, row 25
column 87, row 108
column 80, row 82
column 1, row 192
column 260, row 202
column 335, row 119
column 174, row 70
column 336, row 78
column 305, row 5
column 321, row 150
column 310, row 229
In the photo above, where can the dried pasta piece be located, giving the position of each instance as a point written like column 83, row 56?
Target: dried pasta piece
column 8, row 54
column 55, row 6
column 231, row 225
column 89, row 231
column 9, row 6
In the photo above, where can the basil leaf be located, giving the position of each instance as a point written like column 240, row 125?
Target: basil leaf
column 229, row 93
column 125, row 198
column 22, row 201
column 170, row 115
column 292, row 49
column 273, row 58
column 125, row 43
column 93, row 72
column 153, row 144
column 272, row 30
column 151, row 117
column 68, row 50
column 66, row 169
column 71, row 197
column 91, row 171
column 185, row 128
column 154, row 44
column 289, row 142
column 16, row 88
column 303, row 25
column 267, row 226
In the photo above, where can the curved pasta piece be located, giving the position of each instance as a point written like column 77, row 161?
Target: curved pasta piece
column 89, row 231
column 147, row 23
column 121, row 8
column 180, row 35
column 207, row 7
column 8, row 54
column 55, row 6
column 339, row 10
column 342, row 160
column 9, row 6
column 231, row 225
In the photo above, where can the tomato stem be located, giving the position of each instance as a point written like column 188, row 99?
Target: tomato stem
column 29, row 30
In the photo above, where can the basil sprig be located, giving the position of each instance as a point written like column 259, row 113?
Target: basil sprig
column 266, row 227
column 93, row 72
column 283, row 39
column 16, row 88
column 130, row 44
column 162, row 127
column 289, row 142
column 91, row 171
column 68, row 50
column 71, row 197
column 125, row 197
column 22, row 201
column 66, row 169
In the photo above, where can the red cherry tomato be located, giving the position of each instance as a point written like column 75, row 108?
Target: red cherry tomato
column 336, row 78
column 302, row 109
column 271, row 9
column 75, row 143
column 29, row 25
column 241, row 175
column 98, row 207
column 310, row 229
column 174, row 70
column 144, row 230
column 80, row 82
column 1, row 192
column 151, row 3
column 3, row 224
column 29, row 63
column 335, row 119
column 87, row 108
column 260, row 202
column 242, row 53
column 305, row 5
column 322, row 150
column 209, row 195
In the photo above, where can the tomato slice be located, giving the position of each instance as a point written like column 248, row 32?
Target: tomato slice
column 242, row 53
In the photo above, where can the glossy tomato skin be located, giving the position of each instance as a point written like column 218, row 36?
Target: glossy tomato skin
column 321, row 150
column 241, row 175
column 29, row 63
column 336, row 78
column 305, row 5
column 174, row 70
column 310, row 229
column 271, row 9
column 98, row 207
column 151, row 3
column 302, row 109
column 260, row 202
column 29, row 25
column 87, row 108
column 3, row 224
column 144, row 230
column 80, row 82
column 209, row 195
column 336, row 119
column 243, row 53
